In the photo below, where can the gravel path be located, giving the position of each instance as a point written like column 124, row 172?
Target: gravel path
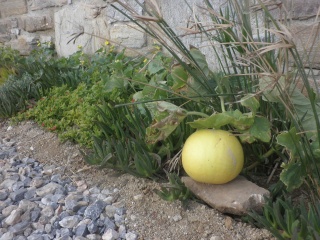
column 37, row 203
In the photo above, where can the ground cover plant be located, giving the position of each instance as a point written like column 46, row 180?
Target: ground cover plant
column 261, row 93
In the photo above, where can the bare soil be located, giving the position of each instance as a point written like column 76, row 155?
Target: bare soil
column 147, row 214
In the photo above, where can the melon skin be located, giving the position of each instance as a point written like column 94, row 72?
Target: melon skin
column 212, row 156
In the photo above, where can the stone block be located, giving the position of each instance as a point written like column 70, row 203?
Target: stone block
column 24, row 44
column 302, row 9
column 40, row 4
column 128, row 35
column 237, row 197
column 4, row 26
column 4, row 38
column 13, row 7
column 116, row 16
column 76, row 25
column 36, row 23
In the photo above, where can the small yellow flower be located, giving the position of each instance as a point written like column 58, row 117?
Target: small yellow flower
column 38, row 43
column 145, row 60
column 79, row 47
column 106, row 43
column 81, row 62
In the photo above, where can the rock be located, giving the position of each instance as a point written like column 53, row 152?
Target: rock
column 3, row 194
column 39, row 4
column 7, row 211
column 36, row 23
column 13, row 7
column 110, row 210
column 176, row 218
column 81, row 230
column 14, row 217
column 216, row 238
column 122, row 231
column 110, row 234
column 128, row 35
column 6, row 236
column 228, row 222
column 18, row 195
column 94, row 210
column 48, row 188
column 77, row 18
column 19, row 227
column 131, row 236
column 237, row 197
column 69, row 222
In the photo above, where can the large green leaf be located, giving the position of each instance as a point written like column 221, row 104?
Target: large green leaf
column 155, row 90
column 298, row 103
column 179, row 76
column 292, row 175
column 114, row 82
column 166, row 117
column 155, row 66
column 302, row 106
column 250, row 102
column 260, row 130
column 216, row 121
column 291, row 141
column 201, row 61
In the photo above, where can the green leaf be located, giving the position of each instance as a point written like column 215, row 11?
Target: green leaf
column 303, row 109
column 115, row 82
column 155, row 90
column 166, row 117
column 291, row 141
column 179, row 76
column 215, row 121
column 200, row 59
column 292, row 175
column 155, row 66
column 250, row 102
column 259, row 130
column 218, row 120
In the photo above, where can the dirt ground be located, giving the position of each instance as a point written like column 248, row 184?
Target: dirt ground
column 147, row 214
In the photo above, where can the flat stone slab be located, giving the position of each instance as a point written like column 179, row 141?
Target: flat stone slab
column 237, row 197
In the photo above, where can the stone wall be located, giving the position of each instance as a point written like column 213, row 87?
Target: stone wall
column 89, row 23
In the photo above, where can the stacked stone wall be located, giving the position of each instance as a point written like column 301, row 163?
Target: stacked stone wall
column 89, row 23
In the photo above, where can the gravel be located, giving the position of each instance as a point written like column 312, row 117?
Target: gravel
column 38, row 203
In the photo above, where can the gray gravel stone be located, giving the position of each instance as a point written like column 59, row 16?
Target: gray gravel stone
column 38, row 204
column 94, row 210
column 69, row 222
column 18, row 195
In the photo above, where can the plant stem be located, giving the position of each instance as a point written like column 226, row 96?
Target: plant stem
column 223, row 109
column 198, row 114
column 256, row 163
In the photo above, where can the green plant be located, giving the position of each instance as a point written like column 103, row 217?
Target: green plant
column 70, row 107
column 33, row 78
column 263, row 94
column 122, row 145
column 8, row 63
column 174, row 190
column 286, row 220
